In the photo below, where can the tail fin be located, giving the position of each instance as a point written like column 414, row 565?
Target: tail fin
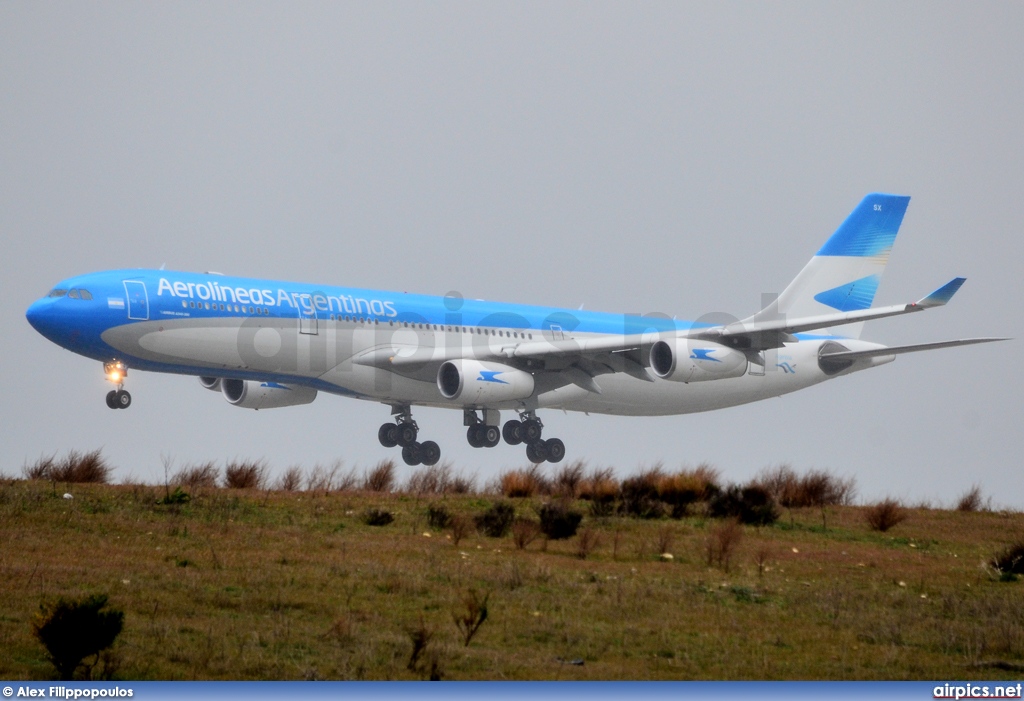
column 844, row 274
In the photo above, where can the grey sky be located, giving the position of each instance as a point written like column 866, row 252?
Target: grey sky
column 631, row 157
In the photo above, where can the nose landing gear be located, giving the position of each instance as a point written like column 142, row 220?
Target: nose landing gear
column 118, row 398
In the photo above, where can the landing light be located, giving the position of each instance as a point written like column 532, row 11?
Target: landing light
column 115, row 371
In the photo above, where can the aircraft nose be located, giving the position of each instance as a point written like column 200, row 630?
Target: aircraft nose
column 41, row 315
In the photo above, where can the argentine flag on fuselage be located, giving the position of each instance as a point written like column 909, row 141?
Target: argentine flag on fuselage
column 845, row 272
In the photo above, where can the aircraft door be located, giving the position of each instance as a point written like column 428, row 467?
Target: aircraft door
column 138, row 299
column 308, row 320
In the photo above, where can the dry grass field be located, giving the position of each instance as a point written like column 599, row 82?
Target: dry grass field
column 274, row 584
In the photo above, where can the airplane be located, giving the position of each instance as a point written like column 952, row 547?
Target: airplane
column 264, row 344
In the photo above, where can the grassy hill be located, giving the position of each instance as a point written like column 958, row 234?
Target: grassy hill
column 264, row 584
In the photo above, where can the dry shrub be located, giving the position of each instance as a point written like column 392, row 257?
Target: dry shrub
column 640, row 493
column 461, row 484
column 600, row 486
column 377, row 517
column 568, row 480
column 588, row 541
column 721, row 543
column 970, row 500
column 41, row 469
column 688, row 486
column 291, row 479
column 420, row 636
column 79, row 468
column 884, row 515
column 381, row 477
column 472, row 615
column 73, row 629
column 666, row 536
column 197, row 476
column 462, row 526
column 524, row 483
column 816, row 488
column 524, row 532
column 245, row 474
column 431, row 479
column 558, row 521
column 752, row 504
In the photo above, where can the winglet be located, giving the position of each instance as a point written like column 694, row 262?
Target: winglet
column 942, row 295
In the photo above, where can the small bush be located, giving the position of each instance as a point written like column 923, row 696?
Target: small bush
column 600, row 487
column 588, row 541
column 568, row 480
column 752, row 505
column 970, row 500
column 431, row 479
column 558, row 521
column 461, row 527
column 1009, row 561
column 72, row 630
column 517, row 484
column 377, row 517
column 884, row 515
column 177, row 497
column 245, row 474
column 461, row 484
column 197, row 476
column 817, row 488
column 639, row 494
column 77, row 468
column 381, row 478
column 472, row 615
column 41, row 469
column 524, row 532
column 687, row 487
column 438, row 517
column 721, row 543
column 496, row 521
column 291, row 479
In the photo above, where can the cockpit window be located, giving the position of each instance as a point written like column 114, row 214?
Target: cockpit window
column 57, row 292
column 86, row 294
column 73, row 293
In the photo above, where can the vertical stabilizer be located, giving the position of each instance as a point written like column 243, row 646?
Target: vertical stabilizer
column 844, row 274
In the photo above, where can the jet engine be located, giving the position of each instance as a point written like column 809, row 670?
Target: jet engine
column 251, row 394
column 690, row 360
column 472, row 382
column 210, row 383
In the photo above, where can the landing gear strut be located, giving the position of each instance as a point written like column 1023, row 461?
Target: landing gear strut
column 528, row 429
column 482, row 433
column 115, row 372
column 404, row 432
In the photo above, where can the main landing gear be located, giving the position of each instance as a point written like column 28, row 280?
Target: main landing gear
column 404, row 433
column 528, row 429
column 118, row 398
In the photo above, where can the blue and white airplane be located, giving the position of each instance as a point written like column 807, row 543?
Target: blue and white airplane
column 266, row 344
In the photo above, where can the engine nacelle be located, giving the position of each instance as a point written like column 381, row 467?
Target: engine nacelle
column 473, row 382
column 690, row 360
column 210, row 383
column 250, row 394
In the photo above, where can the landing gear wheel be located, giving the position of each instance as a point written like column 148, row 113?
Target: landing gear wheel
column 122, row 399
column 411, row 454
column 490, row 436
column 406, row 435
column 513, row 432
column 430, row 453
column 111, row 401
column 532, row 430
column 554, row 449
column 388, row 435
column 535, row 452
column 474, row 437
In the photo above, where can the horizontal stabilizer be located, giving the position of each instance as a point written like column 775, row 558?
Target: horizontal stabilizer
column 897, row 350
column 942, row 295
